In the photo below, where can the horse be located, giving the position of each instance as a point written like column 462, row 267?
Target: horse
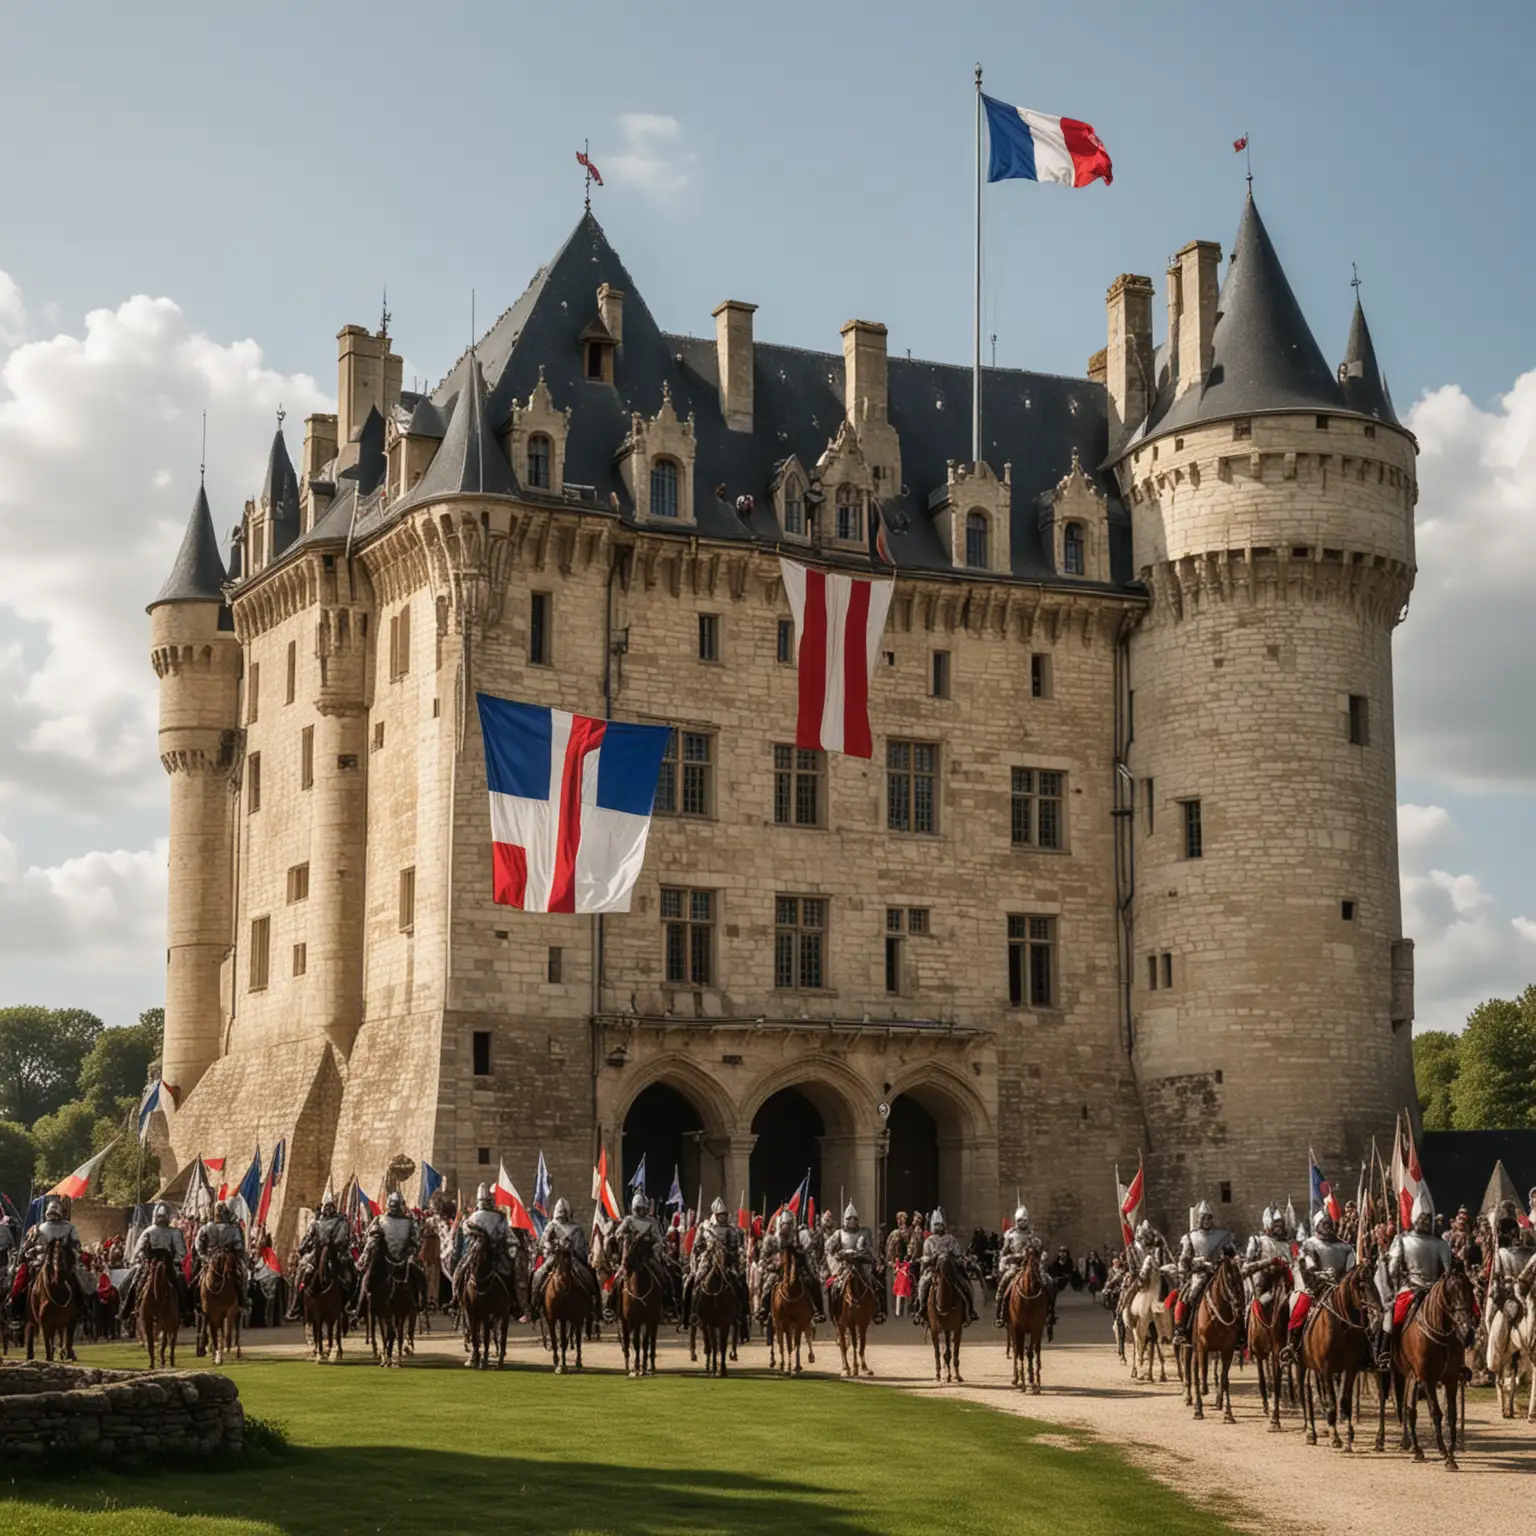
column 1428, row 1352
column 159, row 1306
column 1026, row 1309
column 567, row 1307
column 1147, row 1320
column 855, row 1311
column 639, row 1306
column 1511, row 1345
column 792, row 1312
column 1335, row 1350
column 1215, row 1330
column 947, row 1316
column 1268, row 1331
column 391, row 1304
column 488, row 1304
column 716, row 1310
column 219, row 1294
column 52, row 1307
column 325, row 1304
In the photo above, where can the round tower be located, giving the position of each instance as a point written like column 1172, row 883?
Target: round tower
column 1271, row 500
column 197, row 659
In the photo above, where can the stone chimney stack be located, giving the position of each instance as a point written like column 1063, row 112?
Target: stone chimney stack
column 865, row 392
column 367, row 377
column 733, row 351
column 1197, row 287
column 610, row 305
column 1128, row 368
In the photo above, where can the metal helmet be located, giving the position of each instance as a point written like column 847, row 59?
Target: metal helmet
column 53, row 1211
column 639, row 1205
column 221, row 1212
column 850, row 1217
column 1205, row 1217
column 1021, row 1218
column 717, row 1208
column 1423, row 1212
column 937, row 1223
column 163, row 1214
column 562, row 1211
column 1322, row 1223
column 328, row 1204
column 827, row 1221
column 1146, row 1232
column 1302, row 1234
column 786, row 1220
column 1274, row 1218
column 484, row 1198
column 395, row 1205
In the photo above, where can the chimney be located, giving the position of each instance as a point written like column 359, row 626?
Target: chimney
column 1197, row 286
column 610, row 305
column 1128, row 375
column 359, row 378
column 319, row 445
column 733, row 353
column 864, row 375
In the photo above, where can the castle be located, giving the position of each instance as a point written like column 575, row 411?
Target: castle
column 1121, row 875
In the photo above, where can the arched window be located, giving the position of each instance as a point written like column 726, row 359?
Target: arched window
column 538, row 462
column 850, row 514
column 794, row 508
column 663, row 488
column 976, row 541
column 1072, row 549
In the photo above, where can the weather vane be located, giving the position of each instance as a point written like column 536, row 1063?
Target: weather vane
column 1354, row 281
column 584, row 159
column 282, row 415
column 385, row 316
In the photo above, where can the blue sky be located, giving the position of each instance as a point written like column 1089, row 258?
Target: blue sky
column 269, row 169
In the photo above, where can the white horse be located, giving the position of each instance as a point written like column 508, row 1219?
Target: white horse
column 1147, row 1320
column 1511, row 1343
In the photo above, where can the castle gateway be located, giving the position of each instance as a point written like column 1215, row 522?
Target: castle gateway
column 1121, row 874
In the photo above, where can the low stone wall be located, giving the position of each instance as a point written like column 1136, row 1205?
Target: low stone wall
column 109, row 1413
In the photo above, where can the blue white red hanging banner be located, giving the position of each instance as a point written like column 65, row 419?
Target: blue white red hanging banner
column 1034, row 146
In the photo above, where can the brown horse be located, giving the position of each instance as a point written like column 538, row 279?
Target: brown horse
column 639, row 1307
column 715, row 1310
column 1429, row 1352
column 1268, row 1330
column 856, row 1306
column 325, row 1304
column 1028, row 1305
column 567, row 1307
column 792, row 1312
column 947, row 1317
column 488, row 1304
column 219, row 1294
column 52, row 1306
column 1217, row 1327
column 159, row 1306
column 391, row 1304
column 1335, row 1350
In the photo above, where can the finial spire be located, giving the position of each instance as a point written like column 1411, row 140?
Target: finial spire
column 202, row 468
column 282, row 415
column 384, row 315
column 1356, row 279
column 586, row 160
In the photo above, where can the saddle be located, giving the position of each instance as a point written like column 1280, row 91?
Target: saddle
column 1404, row 1305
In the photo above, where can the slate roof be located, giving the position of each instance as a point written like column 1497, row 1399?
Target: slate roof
column 280, row 492
column 198, row 575
column 470, row 461
column 1365, row 389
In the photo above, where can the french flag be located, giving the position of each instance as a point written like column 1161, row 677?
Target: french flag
column 1323, row 1197
column 1034, row 146
column 571, row 800
column 838, row 624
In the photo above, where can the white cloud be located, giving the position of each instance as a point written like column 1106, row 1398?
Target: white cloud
column 90, row 520
column 653, row 160
column 1463, row 656
column 1465, row 948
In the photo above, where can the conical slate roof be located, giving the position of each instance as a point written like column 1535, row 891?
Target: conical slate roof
column 1365, row 390
column 470, row 462
column 371, row 459
column 198, row 574
column 280, row 495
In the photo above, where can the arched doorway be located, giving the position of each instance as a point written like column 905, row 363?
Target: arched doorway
column 789, row 1129
column 664, row 1128
column 912, row 1161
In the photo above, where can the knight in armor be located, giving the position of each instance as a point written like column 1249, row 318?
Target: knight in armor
column 562, row 1232
column 158, row 1237
column 1019, row 1241
column 1414, row 1262
column 1267, row 1259
column 1205, row 1245
column 504, row 1246
column 940, row 1245
column 788, row 1234
column 34, row 1248
column 718, row 1233
column 639, row 1226
column 219, row 1233
column 327, row 1227
column 821, row 1234
column 396, row 1234
column 1148, row 1243
column 850, row 1247
column 1511, row 1257
column 1324, row 1260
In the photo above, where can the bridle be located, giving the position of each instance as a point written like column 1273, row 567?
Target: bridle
column 1222, row 1285
column 1439, row 1316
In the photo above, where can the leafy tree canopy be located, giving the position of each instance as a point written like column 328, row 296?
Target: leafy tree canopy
column 41, row 1053
column 64, row 1140
column 1495, row 1086
column 1436, row 1058
column 117, row 1066
column 18, row 1160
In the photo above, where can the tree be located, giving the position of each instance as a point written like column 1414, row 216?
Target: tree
column 41, row 1051
column 1436, row 1060
column 64, row 1139
column 18, row 1162
column 118, row 1064
column 1495, row 1087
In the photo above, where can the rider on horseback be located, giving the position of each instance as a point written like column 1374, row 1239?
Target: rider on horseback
column 641, row 1227
column 330, row 1228
column 940, row 1246
column 159, row 1237
column 1512, row 1256
column 220, row 1233
column 852, row 1247
column 788, row 1234
column 1414, row 1262
column 820, row 1235
column 1267, row 1258
column 1323, row 1261
column 1018, row 1241
column 487, row 1218
column 1205, row 1245
column 562, row 1232
column 52, row 1227
column 716, row 1234
column 396, row 1234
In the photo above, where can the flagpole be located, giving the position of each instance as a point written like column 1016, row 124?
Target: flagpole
column 976, row 329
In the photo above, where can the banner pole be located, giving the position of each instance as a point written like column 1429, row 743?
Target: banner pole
column 976, row 326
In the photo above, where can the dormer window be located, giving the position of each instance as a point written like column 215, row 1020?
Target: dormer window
column 976, row 541
column 538, row 462
column 663, row 488
column 794, row 509
column 850, row 514
column 1072, row 549
column 595, row 356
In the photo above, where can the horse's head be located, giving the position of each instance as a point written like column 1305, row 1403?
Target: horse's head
column 1030, row 1270
column 1359, row 1298
column 637, row 1250
column 1460, row 1299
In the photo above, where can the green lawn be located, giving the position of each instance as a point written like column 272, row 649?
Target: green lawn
column 436, row 1448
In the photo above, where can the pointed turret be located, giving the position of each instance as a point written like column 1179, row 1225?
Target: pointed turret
column 280, row 494
column 470, row 462
column 1365, row 390
column 198, row 575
